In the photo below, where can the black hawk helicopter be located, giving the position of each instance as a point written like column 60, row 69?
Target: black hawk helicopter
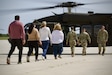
column 91, row 21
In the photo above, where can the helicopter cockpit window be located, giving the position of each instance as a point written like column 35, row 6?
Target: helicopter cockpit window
column 96, row 29
column 26, row 27
column 88, row 28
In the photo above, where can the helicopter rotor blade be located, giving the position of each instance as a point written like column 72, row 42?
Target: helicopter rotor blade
column 24, row 10
column 35, row 9
column 101, row 2
column 63, row 4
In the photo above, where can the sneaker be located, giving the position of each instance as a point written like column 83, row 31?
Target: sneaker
column 59, row 56
column 19, row 63
column 102, row 54
column 28, row 61
column 36, row 60
column 8, row 61
column 43, row 58
column 55, row 57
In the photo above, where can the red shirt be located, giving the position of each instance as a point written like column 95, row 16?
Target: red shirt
column 16, row 30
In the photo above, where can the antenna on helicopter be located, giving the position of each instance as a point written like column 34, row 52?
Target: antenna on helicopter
column 54, row 13
column 69, row 9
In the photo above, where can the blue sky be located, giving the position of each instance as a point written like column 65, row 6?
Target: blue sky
column 7, row 17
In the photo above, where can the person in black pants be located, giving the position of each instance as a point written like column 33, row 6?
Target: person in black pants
column 33, row 41
column 32, row 44
column 17, row 38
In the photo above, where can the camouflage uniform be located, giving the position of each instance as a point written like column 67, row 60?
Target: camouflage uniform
column 71, row 39
column 102, row 38
column 83, row 40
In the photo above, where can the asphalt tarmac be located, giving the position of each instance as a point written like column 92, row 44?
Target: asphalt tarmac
column 91, row 64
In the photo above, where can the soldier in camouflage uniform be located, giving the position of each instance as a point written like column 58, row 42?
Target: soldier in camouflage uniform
column 71, row 40
column 84, row 38
column 102, row 38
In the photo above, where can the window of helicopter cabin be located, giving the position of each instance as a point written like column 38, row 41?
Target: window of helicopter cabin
column 69, row 28
column 88, row 28
column 96, row 29
column 77, row 30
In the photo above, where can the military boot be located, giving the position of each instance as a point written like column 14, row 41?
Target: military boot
column 99, row 52
column 28, row 60
column 103, row 52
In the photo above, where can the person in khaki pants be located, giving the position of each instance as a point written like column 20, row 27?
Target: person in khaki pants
column 71, row 40
column 84, row 38
column 102, row 38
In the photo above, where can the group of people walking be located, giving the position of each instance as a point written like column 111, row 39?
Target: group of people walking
column 43, row 38
column 73, row 40
column 84, row 38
